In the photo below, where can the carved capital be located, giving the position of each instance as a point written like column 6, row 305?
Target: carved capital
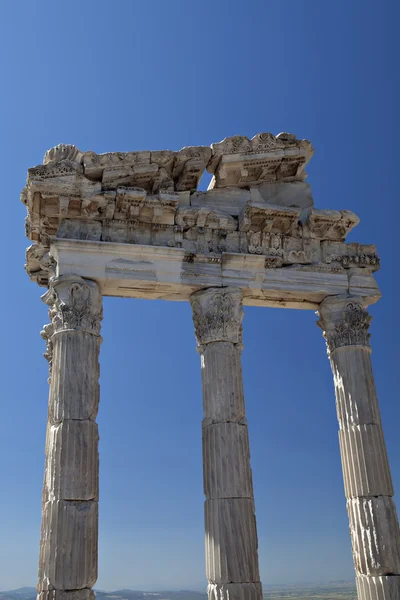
column 217, row 315
column 74, row 304
column 344, row 322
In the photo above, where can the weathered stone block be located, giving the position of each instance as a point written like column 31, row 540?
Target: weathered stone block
column 364, row 460
column 80, row 230
column 356, row 400
column 378, row 588
column 226, row 461
column 74, row 387
column 234, row 591
column 68, row 548
column 223, row 398
column 227, row 200
column 296, row 193
column 375, row 536
column 72, row 461
column 231, row 541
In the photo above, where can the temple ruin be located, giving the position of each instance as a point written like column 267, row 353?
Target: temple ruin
column 135, row 225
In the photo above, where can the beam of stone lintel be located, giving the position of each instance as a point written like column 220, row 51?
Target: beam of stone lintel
column 69, row 532
column 230, row 524
column 153, row 272
column 368, row 485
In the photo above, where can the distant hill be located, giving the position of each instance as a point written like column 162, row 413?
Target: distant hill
column 28, row 593
column 334, row 590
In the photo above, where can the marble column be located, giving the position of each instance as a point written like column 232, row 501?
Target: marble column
column 230, row 524
column 368, row 486
column 68, row 548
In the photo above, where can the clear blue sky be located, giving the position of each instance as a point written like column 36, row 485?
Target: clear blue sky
column 129, row 75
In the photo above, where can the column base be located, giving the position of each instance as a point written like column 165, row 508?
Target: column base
column 85, row 594
column 234, row 591
column 378, row 588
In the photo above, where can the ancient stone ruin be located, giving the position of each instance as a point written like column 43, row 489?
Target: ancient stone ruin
column 134, row 224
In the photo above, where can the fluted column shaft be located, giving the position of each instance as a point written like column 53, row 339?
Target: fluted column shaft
column 230, row 524
column 368, row 485
column 68, row 547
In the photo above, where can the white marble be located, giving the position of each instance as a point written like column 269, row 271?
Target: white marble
column 374, row 526
column 135, row 225
column 68, row 548
column 230, row 524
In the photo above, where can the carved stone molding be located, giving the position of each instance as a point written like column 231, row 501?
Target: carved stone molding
column 217, row 315
column 46, row 334
column 258, row 205
column 239, row 161
column 74, row 304
column 63, row 152
column 344, row 322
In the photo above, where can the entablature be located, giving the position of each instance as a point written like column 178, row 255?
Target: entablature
column 150, row 200
column 135, row 271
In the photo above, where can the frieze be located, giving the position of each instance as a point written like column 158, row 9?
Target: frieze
column 90, row 197
column 199, row 258
column 239, row 161
column 298, row 257
column 320, row 268
column 48, row 170
column 262, row 142
column 257, row 217
column 273, row 262
column 361, row 260
column 331, row 224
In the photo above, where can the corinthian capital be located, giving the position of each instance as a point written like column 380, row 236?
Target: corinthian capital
column 344, row 322
column 74, row 304
column 217, row 315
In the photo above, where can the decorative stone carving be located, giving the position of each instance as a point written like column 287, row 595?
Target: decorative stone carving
column 350, row 255
column 75, row 303
column 272, row 262
column 34, row 266
column 217, row 315
column 151, row 171
column 188, row 218
column 268, row 219
column 63, row 152
column 46, row 334
column 362, row 260
column 238, row 161
column 331, row 224
column 347, row 326
column 149, row 199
